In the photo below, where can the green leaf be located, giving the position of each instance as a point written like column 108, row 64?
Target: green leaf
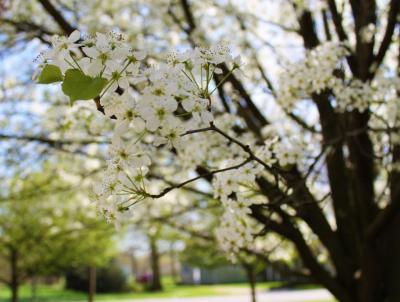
column 79, row 86
column 50, row 74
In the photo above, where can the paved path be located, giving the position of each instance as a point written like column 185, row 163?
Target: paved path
column 319, row 295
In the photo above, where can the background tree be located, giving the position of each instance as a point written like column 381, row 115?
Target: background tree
column 43, row 234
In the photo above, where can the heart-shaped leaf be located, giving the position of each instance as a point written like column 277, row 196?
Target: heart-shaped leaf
column 79, row 86
column 50, row 74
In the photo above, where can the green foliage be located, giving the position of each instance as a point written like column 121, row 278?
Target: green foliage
column 79, row 86
column 202, row 254
column 49, row 228
column 57, row 293
column 50, row 74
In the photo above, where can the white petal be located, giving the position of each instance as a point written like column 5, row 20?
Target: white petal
column 188, row 104
column 119, row 53
column 170, row 104
column 207, row 116
column 84, row 63
column 74, row 36
column 196, row 117
column 95, row 68
column 158, row 141
column 102, row 42
column 139, row 55
column 123, row 83
column 113, row 86
column 152, row 124
column 138, row 125
column 91, row 52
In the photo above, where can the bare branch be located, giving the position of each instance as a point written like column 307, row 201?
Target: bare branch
column 49, row 141
column 57, row 16
column 246, row 148
column 337, row 20
column 387, row 38
column 177, row 186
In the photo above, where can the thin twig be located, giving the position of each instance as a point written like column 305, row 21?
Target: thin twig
column 177, row 186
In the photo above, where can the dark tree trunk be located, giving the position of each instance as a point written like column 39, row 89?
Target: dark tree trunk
column 92, row 283
column 155, row 265
column 14, row 284
column 380, row 278
column 172, row 260
column 251, row 277
column 134, row 265
column 33, row 288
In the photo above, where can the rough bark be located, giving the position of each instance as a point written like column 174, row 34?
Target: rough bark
column 14, row 284
column 251, row 277
column 33, row 288
column 92, row 283
column 173, row 270
column 380, row 274
column 155, row 265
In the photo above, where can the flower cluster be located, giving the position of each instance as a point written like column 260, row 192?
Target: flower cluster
column 234, row 232
column 321, row 71
column 166, row 108
column 355, row 95
column 312, row 75
column 153, row 106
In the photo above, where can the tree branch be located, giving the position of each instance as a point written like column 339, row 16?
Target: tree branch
column 387, row 38
column 208, row 174
column 57, row 16
column 49, row 141
column 337, row 20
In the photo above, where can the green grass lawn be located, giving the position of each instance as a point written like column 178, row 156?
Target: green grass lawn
column 56, row 293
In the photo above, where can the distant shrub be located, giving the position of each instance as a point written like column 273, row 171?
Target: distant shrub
column 110, row 278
